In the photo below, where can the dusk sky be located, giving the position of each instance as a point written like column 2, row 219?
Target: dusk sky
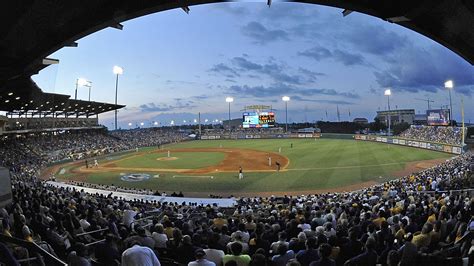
column 177, row 64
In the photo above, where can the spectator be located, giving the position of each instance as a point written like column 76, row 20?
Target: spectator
column 139, row 255
column 237, row 256
column 200, row 259
column 325, row 251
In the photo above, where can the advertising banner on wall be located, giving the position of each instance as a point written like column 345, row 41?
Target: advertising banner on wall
column 412, row 143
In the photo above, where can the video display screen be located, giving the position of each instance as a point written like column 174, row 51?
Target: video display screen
column 438, row 117
column 258, row 120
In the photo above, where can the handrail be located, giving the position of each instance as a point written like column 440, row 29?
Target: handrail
column 94, row 243
column 28, row 259
column 93, row 232
column 31, row 245
column 141, row 219
column 147, row 225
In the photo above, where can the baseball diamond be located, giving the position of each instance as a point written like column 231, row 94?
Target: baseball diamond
column 310, row 166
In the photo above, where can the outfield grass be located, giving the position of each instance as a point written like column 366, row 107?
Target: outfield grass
column 314, row 164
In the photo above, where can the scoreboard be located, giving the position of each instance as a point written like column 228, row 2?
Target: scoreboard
column 258, row 120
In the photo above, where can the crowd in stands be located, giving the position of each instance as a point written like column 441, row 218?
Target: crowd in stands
column 447, row 135
column 52, row 147
column 146, row 137
column 408, row 221
column 49, row 122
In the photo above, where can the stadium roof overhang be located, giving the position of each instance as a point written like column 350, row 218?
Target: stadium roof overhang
column 32, row 30
column 35, row 102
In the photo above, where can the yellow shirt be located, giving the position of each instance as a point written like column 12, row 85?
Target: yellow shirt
column 421, row 240
column 378, row 221
column 219, row 222
column 431, row 219
column 169, row 232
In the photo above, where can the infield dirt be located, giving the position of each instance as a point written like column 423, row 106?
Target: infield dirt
column 249, row 160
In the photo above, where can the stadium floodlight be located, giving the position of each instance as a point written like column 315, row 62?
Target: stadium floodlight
column 449, row 84
column 172, row 122
column 286, row 99
column 80, row 82
column 184, row 121
column 195, row 120
column 388, row 92
column 117, row 71
column 155, row 123
column 206, row 120
column 141, row 124
column 129, row 124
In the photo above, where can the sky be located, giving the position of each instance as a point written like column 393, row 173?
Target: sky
column 177, row 65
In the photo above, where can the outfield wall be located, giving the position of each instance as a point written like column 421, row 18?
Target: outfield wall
column 243, row 135
column 411, row 143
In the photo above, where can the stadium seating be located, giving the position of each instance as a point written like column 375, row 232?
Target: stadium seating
column 422, row 219
column 445, row 135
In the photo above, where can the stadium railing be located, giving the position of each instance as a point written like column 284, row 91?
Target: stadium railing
column 41, row 255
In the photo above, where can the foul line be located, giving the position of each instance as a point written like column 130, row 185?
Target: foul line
column 206, row 176
column 342, row 167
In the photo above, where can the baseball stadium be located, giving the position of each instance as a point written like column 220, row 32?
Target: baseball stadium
column 247, row 134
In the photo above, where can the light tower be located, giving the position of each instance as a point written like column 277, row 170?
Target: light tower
column 387, row 93
column 286, row 99
column 449, row 84
column 229, row 100
column 81, row 82
column 117, row 71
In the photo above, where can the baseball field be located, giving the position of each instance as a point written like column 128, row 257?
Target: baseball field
column 200, row 168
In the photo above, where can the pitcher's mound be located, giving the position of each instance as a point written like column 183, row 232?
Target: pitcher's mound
column 167, row 158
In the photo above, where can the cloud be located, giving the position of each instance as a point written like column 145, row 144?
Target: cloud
column 261, row 35
column 310, row 75
column 154, row 107
column 416, row 70
column 348, row 59
column 301, row 99
column 330, row 92
column 317, row 53
column 278, row 72
column 200, row 97
column 232, row 9
column 258, row 91
column 246, row 64
column 279, row 89
column 224, row 69
column 320, row 53
column 374, row 39
column 288, row 11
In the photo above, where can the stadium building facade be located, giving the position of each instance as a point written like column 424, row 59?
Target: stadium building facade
column 397, row 116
